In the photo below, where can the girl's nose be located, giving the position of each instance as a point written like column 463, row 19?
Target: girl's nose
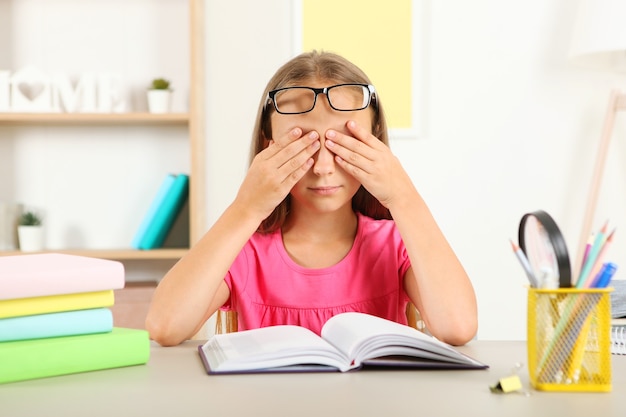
column 324, row 160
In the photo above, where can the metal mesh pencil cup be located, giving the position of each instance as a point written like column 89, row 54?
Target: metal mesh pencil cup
column 569, row 347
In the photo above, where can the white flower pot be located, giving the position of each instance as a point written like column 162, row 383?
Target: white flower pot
column 159, row 101
column 30, row 238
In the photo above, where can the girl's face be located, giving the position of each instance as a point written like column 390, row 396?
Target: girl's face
column 326, row 187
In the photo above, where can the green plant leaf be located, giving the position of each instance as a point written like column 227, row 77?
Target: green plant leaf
column 160, row 84
column 30, row 218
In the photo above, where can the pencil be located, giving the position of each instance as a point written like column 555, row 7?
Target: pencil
column 590, row 281
column 525, row 265
column 593, row 254
column 587, row 249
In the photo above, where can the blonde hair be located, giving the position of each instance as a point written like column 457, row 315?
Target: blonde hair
column 308, row 66
column 319, row 66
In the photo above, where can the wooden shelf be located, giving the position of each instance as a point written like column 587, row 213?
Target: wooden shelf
column 94, row 118
column 116, row 254
column 192, row 122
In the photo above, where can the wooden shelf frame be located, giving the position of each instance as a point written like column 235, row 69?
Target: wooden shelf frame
column 93, row 118
column 116, row 254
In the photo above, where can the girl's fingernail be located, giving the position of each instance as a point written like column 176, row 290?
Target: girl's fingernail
column 313, row 135
column 329, row 143
column 331, row 134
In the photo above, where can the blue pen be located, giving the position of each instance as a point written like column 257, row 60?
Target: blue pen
column 605, row 275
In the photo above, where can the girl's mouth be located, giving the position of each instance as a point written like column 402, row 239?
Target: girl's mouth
column 325, row 190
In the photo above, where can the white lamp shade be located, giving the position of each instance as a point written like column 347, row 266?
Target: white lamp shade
column 599, row 38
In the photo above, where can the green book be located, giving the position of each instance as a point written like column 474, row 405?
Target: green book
column 39, row 358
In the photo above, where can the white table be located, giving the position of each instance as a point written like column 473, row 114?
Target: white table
column 174, row 383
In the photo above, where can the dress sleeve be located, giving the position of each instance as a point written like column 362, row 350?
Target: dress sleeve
column 228, row 305
column 404, row 263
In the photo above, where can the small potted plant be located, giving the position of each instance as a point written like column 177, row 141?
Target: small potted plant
column 30, row 232
column 159, row 96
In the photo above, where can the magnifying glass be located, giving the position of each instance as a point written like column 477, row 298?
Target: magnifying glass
column 543, row 244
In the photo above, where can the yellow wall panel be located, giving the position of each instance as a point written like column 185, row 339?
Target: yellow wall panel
column 376, row 36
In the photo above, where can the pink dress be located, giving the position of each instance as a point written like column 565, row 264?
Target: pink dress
column 268, row 288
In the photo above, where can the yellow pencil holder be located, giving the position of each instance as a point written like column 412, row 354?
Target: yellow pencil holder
column 569, row 339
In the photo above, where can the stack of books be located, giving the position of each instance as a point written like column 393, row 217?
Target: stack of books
column 618, row 317
column 168, row 209
column 55, row 317
column 618, row 336
column 618, row 298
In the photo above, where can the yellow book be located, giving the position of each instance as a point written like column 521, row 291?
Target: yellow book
column 55, row 303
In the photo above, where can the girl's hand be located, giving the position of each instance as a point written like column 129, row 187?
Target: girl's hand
column 275, row 170
column 371, row 162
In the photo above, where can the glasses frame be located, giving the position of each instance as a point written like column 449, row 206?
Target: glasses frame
column 317, row 91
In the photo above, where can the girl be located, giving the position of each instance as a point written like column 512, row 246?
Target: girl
column 325, row 221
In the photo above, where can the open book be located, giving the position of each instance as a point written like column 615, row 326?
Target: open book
column 349, row 341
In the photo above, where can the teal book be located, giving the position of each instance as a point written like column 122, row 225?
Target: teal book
column 67, row 323
column 40, row 358
column 152, row 210
column 166, row 213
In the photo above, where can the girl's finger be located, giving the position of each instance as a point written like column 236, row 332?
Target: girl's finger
column 283, row 154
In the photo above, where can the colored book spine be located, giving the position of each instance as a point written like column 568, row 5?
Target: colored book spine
column 30, row 359
column 166, row 213
column 55, row 303
column 36, row 275
column 152, row 210
column 68, row 323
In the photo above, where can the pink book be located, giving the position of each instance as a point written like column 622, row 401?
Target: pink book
column 44, row 274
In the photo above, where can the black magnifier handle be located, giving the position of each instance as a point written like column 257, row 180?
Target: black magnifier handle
column 555, row 243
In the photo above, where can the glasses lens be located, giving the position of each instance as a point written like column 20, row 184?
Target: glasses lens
column 349, row 97
column 294, row 100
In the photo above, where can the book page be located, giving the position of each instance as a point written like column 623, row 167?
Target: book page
column 270, row 347
column 361, row 336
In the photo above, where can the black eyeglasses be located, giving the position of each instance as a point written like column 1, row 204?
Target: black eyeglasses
column 341, row 97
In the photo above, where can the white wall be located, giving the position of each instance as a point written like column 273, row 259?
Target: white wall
column 511, row 127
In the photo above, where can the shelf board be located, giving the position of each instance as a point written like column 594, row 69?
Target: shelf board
column 116, row 254
column 93, row 118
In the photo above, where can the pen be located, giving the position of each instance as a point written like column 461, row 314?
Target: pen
column 601, row 280
column 605, row 275
column 524, row 261
column 577, row 353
